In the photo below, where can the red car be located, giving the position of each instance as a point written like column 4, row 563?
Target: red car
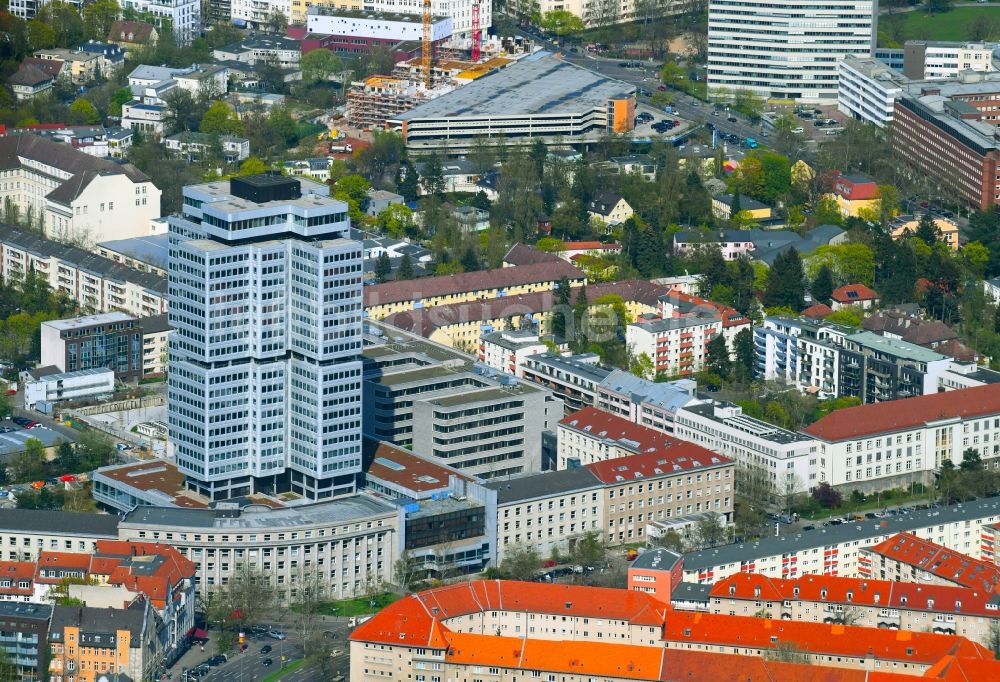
column 662, row 88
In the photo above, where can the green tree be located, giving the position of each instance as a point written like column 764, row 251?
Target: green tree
column 785, row 282
column 562, row 309
column 319, row 65
column 642, row 367
column 98, row 17
column 29, row 464
column 405, row 269
column 717, row 357
column 971, row 460
column 220, row 119
column 521, row 562
column 83, row 111
column 580, row 307
column 827, row 212
column 709, row 531
column 743, row 346
column 562, row 22
column 927, row 230
column 432, row 175
column 354, row 190
column 823, row 285
column 383, row 266
column 252, row 166
column 396, row 221
column 118, row 98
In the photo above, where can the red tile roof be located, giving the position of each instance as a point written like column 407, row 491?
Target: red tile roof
column 817, row 311
column 424, row 321
column 591, row 246
column 863, row 592
column 853, row 293
column 393, row 464
column 657, row 453
column 817, row 638
column 16, row 571
column 907, row 413
column 469, row 282
column 522, row 254
column 940, row 561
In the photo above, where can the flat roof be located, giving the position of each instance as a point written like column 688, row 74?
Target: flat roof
column 541, row 84
column 88, row 321
column 152, row 250
column 867, row 530
column 157, row 476
column 896, row 347
column 659, row 558
column 342, row 510
column 750, row 425
column 592, row 371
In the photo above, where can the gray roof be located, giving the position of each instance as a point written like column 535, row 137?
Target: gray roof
column 656, row 559
column 336, row 511
column 155, row 323
column 540, row 84
column 571, row 365
column 81, row 258
column 30, row 610
column 152, row 250
column 62, row 522
column 756, row 427
column 864, row 532
column 510, row 490
column 156, row 73
column 670, row 395
column 895, row 347
column 691, row 592
column 62, row 156
column 746, row 203
column 103, row 621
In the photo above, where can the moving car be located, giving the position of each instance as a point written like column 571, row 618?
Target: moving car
column 266, row 662
column 266, row 649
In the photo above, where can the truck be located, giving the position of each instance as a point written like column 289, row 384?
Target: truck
column 668, row 109
column 341, row 148
column 751, row 143
column 358, row 620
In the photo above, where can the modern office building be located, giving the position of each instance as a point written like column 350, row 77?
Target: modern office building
column 106, row 341
column 785, row 50
column 265, row 301
column 867, row 89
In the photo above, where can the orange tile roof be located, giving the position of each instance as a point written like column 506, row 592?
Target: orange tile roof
column 16, row 571
column 818, row 638
column 590, row 246
column 940, row 561
column 863, row 592
column 853, row 293
column 907, row 413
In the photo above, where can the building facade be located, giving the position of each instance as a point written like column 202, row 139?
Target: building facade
column 867, row 89
column 265, row 381
column 919, row 560
column 938, row 59
column 108, row 341
column 762, row 47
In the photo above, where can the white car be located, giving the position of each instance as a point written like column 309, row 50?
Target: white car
column 276, row 634
column 799, row 130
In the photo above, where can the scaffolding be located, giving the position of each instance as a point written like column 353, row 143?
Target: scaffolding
column 371, row 101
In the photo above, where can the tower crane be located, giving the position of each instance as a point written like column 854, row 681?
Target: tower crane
column 426, row 51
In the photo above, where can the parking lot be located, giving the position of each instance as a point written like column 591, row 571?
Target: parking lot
column 13, row 441
column 648, row 119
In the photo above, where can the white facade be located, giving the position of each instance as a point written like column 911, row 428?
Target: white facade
column 507, row 351
column 867, row 90
column 108, row 207
column 144, row 116
column 675, row 345
column 792, row 460
column 265, row 370
column 184, row 15
column 256, row 13
column 85, row 383
column 935, row 60
column 389, row 27
column 460, row 12
column 785, row 50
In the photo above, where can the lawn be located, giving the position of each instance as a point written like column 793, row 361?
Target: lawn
column 281, row 672
column 356, row 607
column 953, row 25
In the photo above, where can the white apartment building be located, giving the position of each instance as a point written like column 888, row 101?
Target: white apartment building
column 256, row 13
column 645, row 402
column 792, row 460
column 96, row 283
column 460, row 12
column 785, row 50
column 265, row 368
column 507, row 351
column 145, row 115
column 891, row 444
column 24, row 533
column 966, row 375
column 155, row 342
column 184, row 15
column 937, row 60
column 394, row 26
column 547, row 511
column 835, row 550
column 73, row 196
column 676, row 345
column 867, row 89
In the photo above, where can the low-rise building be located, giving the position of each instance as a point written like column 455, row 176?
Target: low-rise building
column 913, row 559
column 194, row 146
column 83, row 384
column 791, row 461
column 276, row 50
column 757, row 244
column 939, row 59
column 854, row 193
column 106, row 341
column 83, row 67
column 836, row 549
column 507, row 351
column 609, row 208
column 861, row 601
column 853, row 295
column 747, row 208
column 656, row 572
column 29, row 81
column 133, row 36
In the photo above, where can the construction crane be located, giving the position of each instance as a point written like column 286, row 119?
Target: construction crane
column 426, row 51
column 476, row 34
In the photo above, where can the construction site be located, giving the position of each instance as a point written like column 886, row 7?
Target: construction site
column 438, row 71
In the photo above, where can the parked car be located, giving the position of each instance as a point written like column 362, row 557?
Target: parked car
column 798, row 130
column 20, row 421
column 276, row 634
column 731, row 119
column 218, row 659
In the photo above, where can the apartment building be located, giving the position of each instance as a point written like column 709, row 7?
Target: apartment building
column 462, row 325
column 25, row 638
column 573, row 378
column 107, row 341
column 73, row 196
column 791, row 461
column 89, row 644
column 938, row 59
column 861, row 601
column 265, row 357
column 918, row 560
column 836, row 550
column 575, row 633
column 867, row 89
column 25, row 533
column 507, row 350
column 348, row 542
column 382, row 300
column 753, row 47
column 183, row 16
column 156, row 332
column 647, row 403
column 886, row 445
column 437, row 401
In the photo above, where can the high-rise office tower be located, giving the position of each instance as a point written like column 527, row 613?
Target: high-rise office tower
column 785, row 50
column 265, row 370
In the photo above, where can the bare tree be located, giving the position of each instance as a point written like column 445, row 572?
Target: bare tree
column 404, row 571
column 312, row 590
column 245, row 598
column 788, row 652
